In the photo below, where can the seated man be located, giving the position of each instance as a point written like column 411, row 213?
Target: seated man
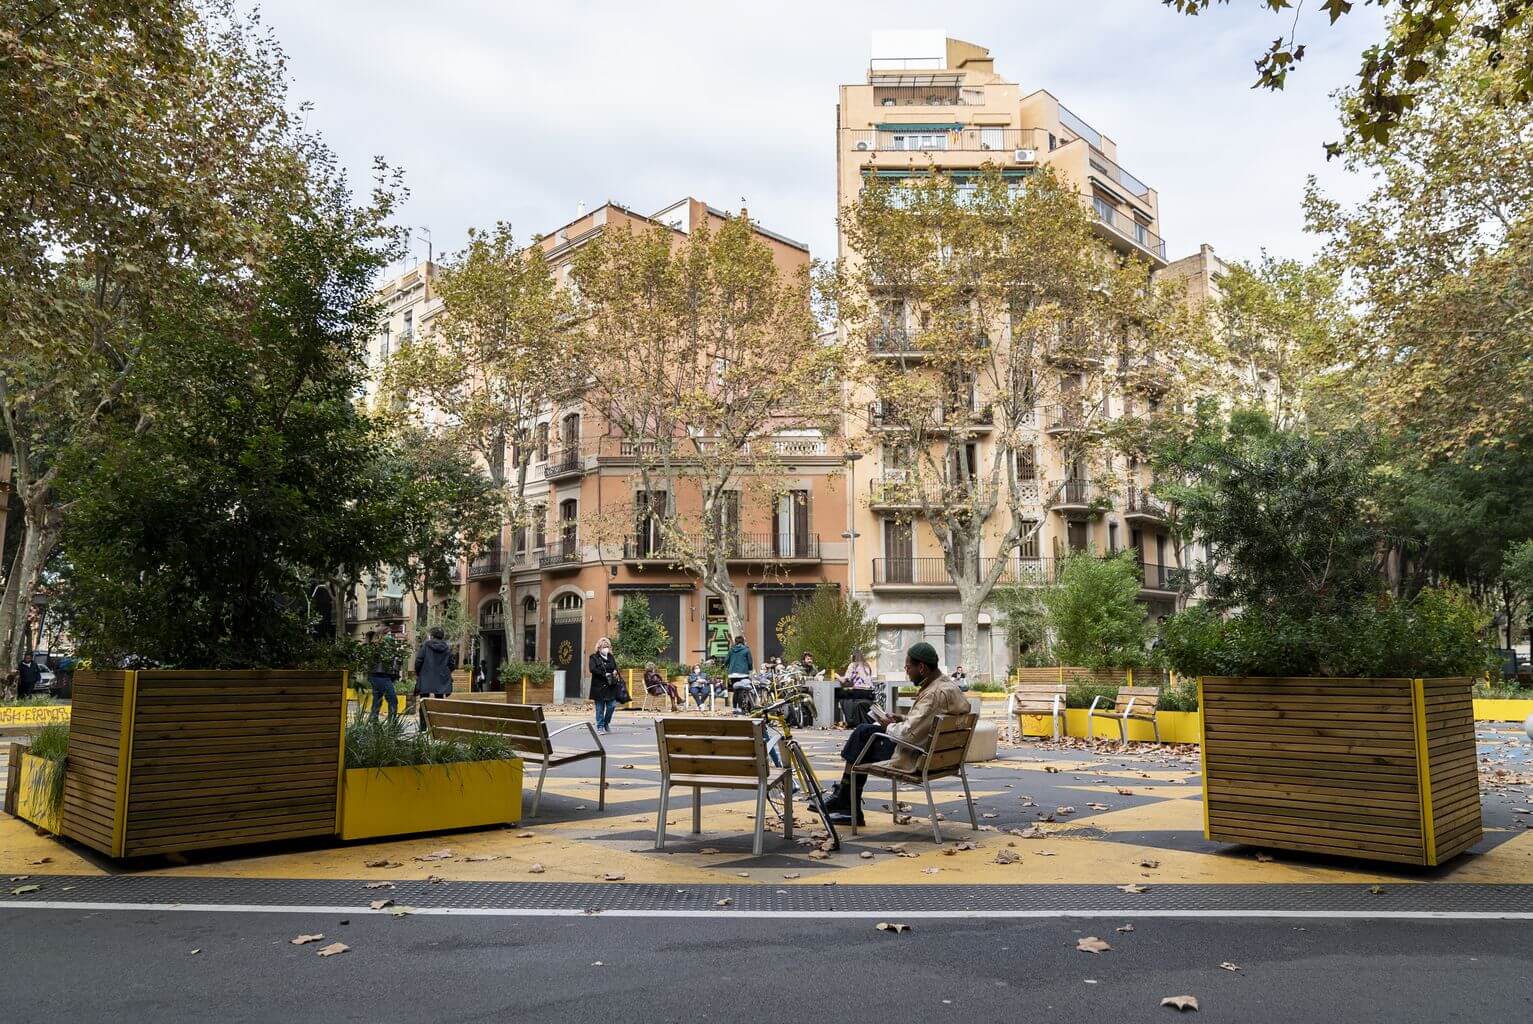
column 937, row 696
column 807, row 666
column 699, row 686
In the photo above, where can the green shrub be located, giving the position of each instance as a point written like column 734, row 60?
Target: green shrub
column 385, row 744
column 538, row 673
column 51, row 741
column 33, row 701
column 1081, row 690
column 828, row 626
column 1095, row 614
column 987, row 686
column 640, row 636
column 1181, row 697
column 1499, row 691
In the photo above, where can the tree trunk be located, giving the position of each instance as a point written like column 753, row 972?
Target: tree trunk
column 339, row 600
column 37, row 545
column 721, row 586
column 10, row 602
column 969, row 640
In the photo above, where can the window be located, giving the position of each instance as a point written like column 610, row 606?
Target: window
column 1077, row 536
column 1112, row 538
column 383, row 345
column 1028, row 549
column 409, row 331
column 539, row 516
column 649, row 509
column 540, row 439
column 568, row 510
column 1027, row 464
column 569, row 431
column 921, row 140
column 791, row 539
column 519, row 541
column 963, row 465
column 1104, row 209
column 530, row 629
column 729, row 519
column 899, row 547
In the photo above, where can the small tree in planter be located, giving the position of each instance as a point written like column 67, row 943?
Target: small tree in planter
column 1324, row 729
column 829, row 627
column 640, row 636
column 1095, row 614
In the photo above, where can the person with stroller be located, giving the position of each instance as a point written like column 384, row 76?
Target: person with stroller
column 737, row 669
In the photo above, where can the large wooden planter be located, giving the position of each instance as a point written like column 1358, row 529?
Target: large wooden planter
column 166, row 761
column 430, row 798
column 1382, row 769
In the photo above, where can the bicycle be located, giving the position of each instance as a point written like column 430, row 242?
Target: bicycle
column 780, row 738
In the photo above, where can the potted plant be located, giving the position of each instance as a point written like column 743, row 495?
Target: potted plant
column 40, row 783
column 397, row 782
column 1336, row 713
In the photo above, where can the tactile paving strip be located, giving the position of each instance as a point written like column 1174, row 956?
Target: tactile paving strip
column 1404, row 897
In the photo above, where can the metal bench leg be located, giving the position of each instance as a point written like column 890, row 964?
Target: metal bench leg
column 1123, row 730
column 854, row 797
column 931, row 807
column 1091, row 721
column 665, row 807
column 601, row 783
column 963, row 775
column 697, row 810
column 894, row 800
column 1155, row 724
column 537, row 794
column 759, row 842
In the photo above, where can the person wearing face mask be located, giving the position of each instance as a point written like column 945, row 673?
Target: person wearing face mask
column 606, row 684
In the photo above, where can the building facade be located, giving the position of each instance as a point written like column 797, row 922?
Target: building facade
column 932, row 103
column 572, row 571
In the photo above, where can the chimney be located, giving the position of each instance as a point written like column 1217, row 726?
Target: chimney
column 580, row 210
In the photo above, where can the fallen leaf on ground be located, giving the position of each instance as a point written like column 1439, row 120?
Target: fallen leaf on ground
column 987, row 814
column 1148, row 862
column 792, row 874
column 1376, row 890
column 726, row 901
column 1091, row 944
column 967, row 846
column 1227, row 966
column 376, row 905
column 1100, row 807
column 1124, row 928
column 930, row 871
column 866, row 855
column 626, row 767
column 194, row 952
column 1005, row 856
column 41, row 860
column 1045, row 853
column 1182, row 1003
column 1051, row 769
column 334, row 948
column 536, row 869
column 1064, row 810
column 1124, row 792
column 613, row 876
column 885, row 926
column 401, row 911
column 596, row 963
column 479, row 858
column 707, row 851
column 1264, row 858
column 435, row 880
column 379, row 885
column 22, row 890
column 383, row 864
column 818, row 855
column 303, row 940
column 436, row 855
column 529, row 835
column 1134, row 887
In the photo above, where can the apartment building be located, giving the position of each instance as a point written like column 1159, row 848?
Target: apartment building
column 573, row 569
column 934, row 103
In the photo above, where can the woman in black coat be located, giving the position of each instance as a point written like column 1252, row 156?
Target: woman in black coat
column 606, row 685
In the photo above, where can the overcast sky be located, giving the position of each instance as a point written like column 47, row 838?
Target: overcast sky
column 503, row 109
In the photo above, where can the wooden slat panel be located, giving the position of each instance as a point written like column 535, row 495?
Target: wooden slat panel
column 711, row 726
column 484, row 723
column 724, row 746
column 686, row 764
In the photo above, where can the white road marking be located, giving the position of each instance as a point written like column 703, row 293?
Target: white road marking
column 851, row 915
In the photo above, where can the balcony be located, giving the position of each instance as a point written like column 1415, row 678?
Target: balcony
column 486, row 565
column 1109, row 171
column 1173, row 579
column 894, row 344
column 1139, row 504
column 564, row 462
column 930, row 572
column 385, row 608
column 1003, row 142
column 774, row 547
column 1127, row 226
column 1075, row 497
column 1071, row 417
column 563, row 555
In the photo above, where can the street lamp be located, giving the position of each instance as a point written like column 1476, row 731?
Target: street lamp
column 851, row 526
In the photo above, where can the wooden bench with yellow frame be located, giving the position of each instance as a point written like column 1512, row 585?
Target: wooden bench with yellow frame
column 1036, row 699
column 1133, row 704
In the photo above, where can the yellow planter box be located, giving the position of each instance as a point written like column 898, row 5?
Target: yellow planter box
column 33, row 787
column 1488, row 710
column 429, row 798
column 35, row 714
column 1175, row 727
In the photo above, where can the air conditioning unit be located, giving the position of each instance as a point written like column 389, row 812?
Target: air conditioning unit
column 862, row 145
column 1025, row 156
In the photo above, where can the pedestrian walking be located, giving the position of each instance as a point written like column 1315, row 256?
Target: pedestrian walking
column 382, row 674
column 434, row 664
column 29, row 677
column 606, row 684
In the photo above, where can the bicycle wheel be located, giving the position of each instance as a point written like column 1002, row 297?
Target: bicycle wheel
column 809, row 785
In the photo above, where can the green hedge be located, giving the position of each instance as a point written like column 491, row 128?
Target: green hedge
column 538, row 673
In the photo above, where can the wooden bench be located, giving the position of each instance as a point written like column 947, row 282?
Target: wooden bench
column 524, row 728
column 941, row 758
column 719, row 753
column 1133, row 704
column 1036, row 699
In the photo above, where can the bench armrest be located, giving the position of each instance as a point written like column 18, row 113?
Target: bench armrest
column 1099, row 701
column 579, row 725
column 1129, row 710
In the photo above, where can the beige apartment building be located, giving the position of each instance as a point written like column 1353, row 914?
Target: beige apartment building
column 933, row 103
column 571, row 572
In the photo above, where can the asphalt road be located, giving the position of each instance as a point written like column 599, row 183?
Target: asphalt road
column 130, row 966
